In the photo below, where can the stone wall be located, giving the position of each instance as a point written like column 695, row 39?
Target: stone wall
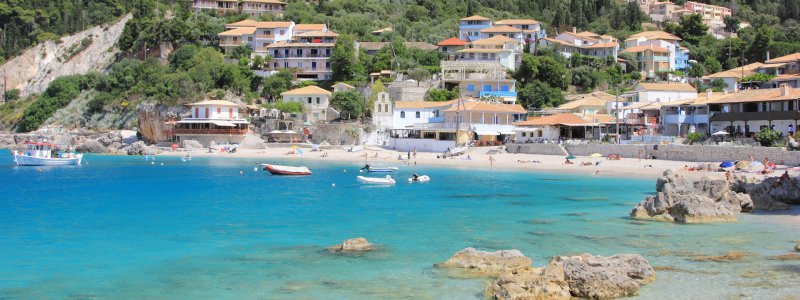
column 545, row 149
column 687, row 152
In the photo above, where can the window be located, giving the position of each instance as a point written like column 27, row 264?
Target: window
column 487, row 87
column 309, row 100
column 504, row 88
column 219, row 111
column 470, row 87
column 207, row 112
column 196, row 112
column 402, row 115
column 317, row 100
column 417, row 114
column 379, row 108
column 386, row 107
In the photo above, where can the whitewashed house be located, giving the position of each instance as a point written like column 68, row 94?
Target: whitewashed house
column 315, row 100
column 212, row 122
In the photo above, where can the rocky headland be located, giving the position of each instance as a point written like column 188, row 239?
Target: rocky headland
column 707, row 200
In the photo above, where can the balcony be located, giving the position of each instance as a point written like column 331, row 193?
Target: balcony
column 691, row 119
column 224, row 43
column 265, row 36
column 755, row 116
column 477, row 26
column 319, row 55
column 240, row 131
column 498, row 93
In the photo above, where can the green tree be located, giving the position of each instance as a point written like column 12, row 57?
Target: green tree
column 758, row 49
column 441, row 95
column 543, row 68
column 11, row 95
column 344, row 64
column 288, row 107
column 712, row 65
column 419, row 74
column 538, row 95
column 692, row 28
column 585, row 77
column 241, row 51
column 350, row 104
column 732, row 23
column 697, row 70
column 767, row 137
column 276, row 84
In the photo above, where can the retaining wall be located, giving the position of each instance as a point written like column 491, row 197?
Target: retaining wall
column 689, row 153
column 546, row 149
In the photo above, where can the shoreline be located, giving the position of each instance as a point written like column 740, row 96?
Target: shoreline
column 624, row 168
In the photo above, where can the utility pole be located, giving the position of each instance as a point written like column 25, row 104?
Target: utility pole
column 616, row 104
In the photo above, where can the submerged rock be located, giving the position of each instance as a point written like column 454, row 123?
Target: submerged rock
column 725, row 257
column 683, row 201
column 352, row 245
column 585, row 276
column 488, row 263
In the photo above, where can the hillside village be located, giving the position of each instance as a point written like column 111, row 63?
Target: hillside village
column 491, row 82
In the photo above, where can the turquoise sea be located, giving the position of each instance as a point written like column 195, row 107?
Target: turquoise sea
column 120, row 227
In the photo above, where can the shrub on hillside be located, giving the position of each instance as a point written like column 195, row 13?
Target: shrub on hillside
column 57, row 95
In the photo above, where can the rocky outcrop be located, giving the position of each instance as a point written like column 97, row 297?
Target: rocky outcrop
column 93, row 49
column 92, row 146
column 772, row 193
column 585, row 276
column 352, row 246
column 149, row 123
column 683, row 201
column 192, row 144
column 80, row 141
column 797, row 247
column 487, row 263
column 140, row 148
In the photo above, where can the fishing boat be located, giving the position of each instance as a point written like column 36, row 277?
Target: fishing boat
column 41, row 154
column 419, row 178
column 286, row 170
column 374, row 180
column 458, row 151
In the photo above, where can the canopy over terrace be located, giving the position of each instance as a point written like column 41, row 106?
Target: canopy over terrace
column 563, row 126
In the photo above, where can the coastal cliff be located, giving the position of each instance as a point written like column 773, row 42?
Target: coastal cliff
column 707, row 200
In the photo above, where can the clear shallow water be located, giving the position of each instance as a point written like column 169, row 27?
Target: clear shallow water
column 121, row 228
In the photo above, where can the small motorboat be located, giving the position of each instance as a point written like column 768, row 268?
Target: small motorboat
column 42, row 154
column 372, row 169
column 374, row 180
column 419, row 178
column 285, row 170
column 356, row 149
column 186, row 158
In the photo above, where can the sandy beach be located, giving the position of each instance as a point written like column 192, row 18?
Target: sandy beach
column 479, row 160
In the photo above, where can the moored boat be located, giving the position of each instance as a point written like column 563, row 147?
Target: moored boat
column 286, row 170
column 42, row 154
column 372, row 169
column 375, row 180
column 419, row 178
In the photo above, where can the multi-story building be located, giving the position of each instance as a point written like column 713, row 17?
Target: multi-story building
column 498, row 48
column 469, row 28
column 748, row 111
column 450, row 46
column 242, row 36
column 250, row 7
column 303, row 28
column 584, row 43
column 212, row 122
column 713, row 16
column 733, row 76
column 315, row 100
column 382, row 111
column 786, row 70
column 308, row 54
column 657, row 51
column 531, row 29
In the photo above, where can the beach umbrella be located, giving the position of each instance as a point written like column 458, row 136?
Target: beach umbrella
column 721, row 132
column 571, row 157
column 742, row 164
column 726, row 164
column 596, row 155
column 294, row 147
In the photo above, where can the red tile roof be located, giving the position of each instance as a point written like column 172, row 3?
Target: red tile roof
column 453, row 41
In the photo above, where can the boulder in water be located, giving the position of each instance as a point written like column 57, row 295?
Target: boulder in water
column 139, row 148
column 683, row 201
column 584, row 276
column 488, row 263
column 797, row 247
column 352, row 245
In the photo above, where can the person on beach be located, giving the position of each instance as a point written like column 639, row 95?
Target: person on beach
column 491, row 161
column 409, row 154
column 415, row 152
column 639, row 155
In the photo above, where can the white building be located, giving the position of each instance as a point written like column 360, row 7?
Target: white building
column 315, row 100
column 663, row 92
column 500, row 49
column 212, row 122
column 382, row 111
column 584, row 43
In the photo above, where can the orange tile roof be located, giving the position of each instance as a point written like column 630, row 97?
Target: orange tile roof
column 654, row 35
column 453, row 41
column 422, row 104
column 736, row 72
column 238, row 31
column 243, row 23
column 643, row 48
column 495, row 40
column 476, row 18
column 266, row 1
column 758, row 95
column 317, row 34
column 602, row 45
column 517, row 22
column 307, row 90
column 785, row 58
column 479, row 50
column 559, row 119
column 589, row 101
column 310, row 27
column 489, row 107
column 501, row 29
column 274, row 24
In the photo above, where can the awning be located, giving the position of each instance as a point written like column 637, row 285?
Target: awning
column 507, row 132
column 492, row 133
column 223, row 123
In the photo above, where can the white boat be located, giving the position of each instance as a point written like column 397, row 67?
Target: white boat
column 286, row 170
column 186, row 158
column 381, row 170
column 374, row 180
column 420, row 178
column 356, row 149
column 40, row 154
column 458, row 151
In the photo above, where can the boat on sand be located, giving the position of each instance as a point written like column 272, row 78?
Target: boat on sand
column 43, row 154
column 376, row 180
column 286, row 170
